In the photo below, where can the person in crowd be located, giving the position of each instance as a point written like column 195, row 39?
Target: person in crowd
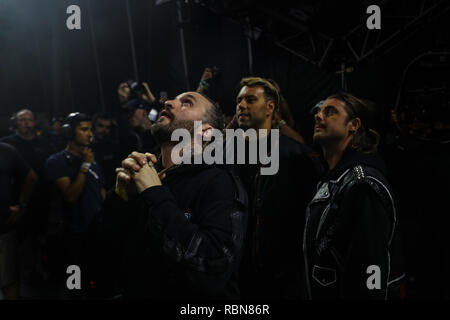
column 351, row 243
column 283, row 110
column 272, row 263
column 56, row 136
column 136, row 100
column 204, row 83
column 282, row 118
column 179, row 233
column 13, row 169
column 79, row 185
column 34, row 149
column 42, row 124
column 104, row 147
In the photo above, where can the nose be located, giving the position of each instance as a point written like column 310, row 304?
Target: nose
column 241, row 105
column 171, row 104
column 318, row 116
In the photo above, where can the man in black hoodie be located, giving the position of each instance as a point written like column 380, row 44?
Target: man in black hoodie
column 180, row 234
column 351, row 241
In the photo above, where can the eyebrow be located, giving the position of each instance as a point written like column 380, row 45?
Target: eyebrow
column 246, row 96
column 316, row 108
column 189, row 96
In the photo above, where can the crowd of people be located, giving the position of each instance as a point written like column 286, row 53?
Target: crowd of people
column 104, row 193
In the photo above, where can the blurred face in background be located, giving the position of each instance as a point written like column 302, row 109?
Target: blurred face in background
column 25, row 124
column 102, row 129
column 138, row 119
column 56, row 127
column 124, row 92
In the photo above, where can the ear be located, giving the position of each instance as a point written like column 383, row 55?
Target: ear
column 354, row 125
column 270, row 108
column 207, row 130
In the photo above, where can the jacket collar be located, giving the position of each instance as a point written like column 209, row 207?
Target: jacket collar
column 352, row 158
column 178, row 171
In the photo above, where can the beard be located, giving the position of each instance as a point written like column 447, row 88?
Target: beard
column 27, row 132
column 253, row 122
column 163, row 132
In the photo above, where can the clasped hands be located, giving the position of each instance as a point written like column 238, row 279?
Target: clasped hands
column 139, row 169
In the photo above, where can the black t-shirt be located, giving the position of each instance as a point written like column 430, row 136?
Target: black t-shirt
column 13, row 170
column 35, row 152
column 79, row 216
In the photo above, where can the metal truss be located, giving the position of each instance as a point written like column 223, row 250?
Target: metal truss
column 360, row 43
column 395, row 29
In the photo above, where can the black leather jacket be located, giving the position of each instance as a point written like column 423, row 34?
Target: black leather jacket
column 179, row 240
column 351, row 230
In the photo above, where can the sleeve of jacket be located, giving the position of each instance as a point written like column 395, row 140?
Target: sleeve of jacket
column 205, row 253
column 367, row 261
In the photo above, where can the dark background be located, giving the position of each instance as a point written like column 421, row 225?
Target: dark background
column 50, row 69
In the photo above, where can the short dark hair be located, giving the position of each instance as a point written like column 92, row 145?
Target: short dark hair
column 366, row 139
column 101, row 115
column 72, row 121
column 270, row 92
column 75, row 118
column 214, row 114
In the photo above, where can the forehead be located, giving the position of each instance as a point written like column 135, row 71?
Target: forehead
column 338, row 104
column 84, row 124
column 195, row 96
column 103, row 120
column 254, row 90
column 139, row 111
column 25, row 114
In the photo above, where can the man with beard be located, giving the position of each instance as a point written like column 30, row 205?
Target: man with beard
column 179, row 233
column 351, row 240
